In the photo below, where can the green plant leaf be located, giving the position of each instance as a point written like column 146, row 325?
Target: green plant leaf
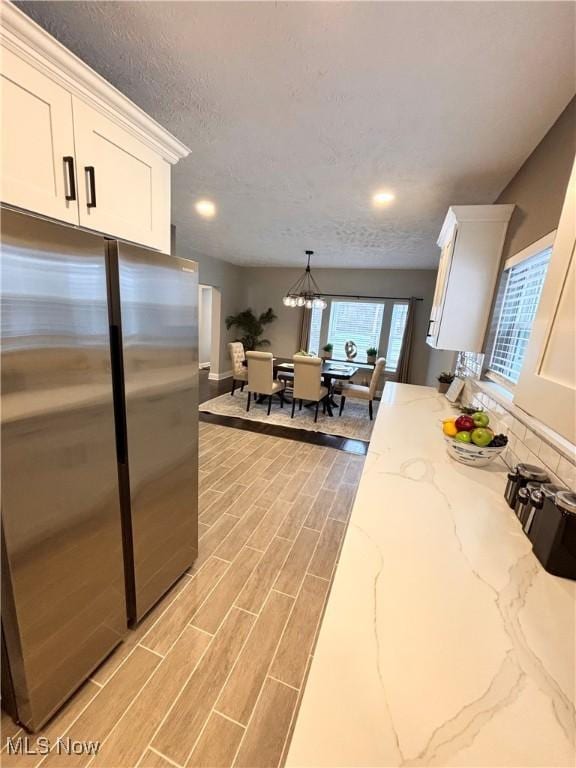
column 251, row 326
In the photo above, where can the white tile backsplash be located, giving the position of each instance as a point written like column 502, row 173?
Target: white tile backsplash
column 523, row 452
column 549, row 456
column 524, row 443
column 532, row 441
column 518, row 429
column 567, row 472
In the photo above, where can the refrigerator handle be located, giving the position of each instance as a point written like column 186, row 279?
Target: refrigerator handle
column 118, row 392
column 91, row 185
column 69, row 163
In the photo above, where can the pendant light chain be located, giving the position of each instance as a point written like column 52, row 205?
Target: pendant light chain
column 305, row 291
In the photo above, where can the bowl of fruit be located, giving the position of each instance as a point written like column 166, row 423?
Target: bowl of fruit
column 470, row 440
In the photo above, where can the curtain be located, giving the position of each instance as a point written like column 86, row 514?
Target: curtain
column 405, row 358
column 304, row 332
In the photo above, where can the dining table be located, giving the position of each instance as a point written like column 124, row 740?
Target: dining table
column 331, row 372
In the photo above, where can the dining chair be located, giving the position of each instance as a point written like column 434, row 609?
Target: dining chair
column 239, row 370
column 364, row 393
column 308, row 382
column 261, row 378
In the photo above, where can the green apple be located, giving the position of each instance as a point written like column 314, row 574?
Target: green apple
column 463, row 437
column 480, row 419
column 482, row 436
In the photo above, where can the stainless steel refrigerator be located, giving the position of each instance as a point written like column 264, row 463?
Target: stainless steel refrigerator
column 99, row 449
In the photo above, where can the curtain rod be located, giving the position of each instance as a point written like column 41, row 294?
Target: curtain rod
column 354, row 296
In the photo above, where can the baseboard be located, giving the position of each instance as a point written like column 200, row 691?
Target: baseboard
column 219, row 376
column 203, row 365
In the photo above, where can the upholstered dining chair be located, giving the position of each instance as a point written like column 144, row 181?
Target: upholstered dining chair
column 239, row 371
column 364, row 393
column 308, row 382
column 261, row 378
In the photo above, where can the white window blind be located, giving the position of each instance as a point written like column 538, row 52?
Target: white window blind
column 315, row 326
column 397, row 326
column 358, row 321
column 469, row 365
column 523, row 286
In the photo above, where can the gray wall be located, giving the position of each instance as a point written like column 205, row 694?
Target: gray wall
column 265, row 286
column 538, row 191
column 228, row 278
column 539, row 187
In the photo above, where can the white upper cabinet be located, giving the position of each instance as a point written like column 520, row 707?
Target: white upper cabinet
column 471, row 243
column 73, row 147
column 547, row 385
column 124, row 186
column 37, row 142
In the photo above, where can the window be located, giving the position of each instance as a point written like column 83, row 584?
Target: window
column 315, row 328
column 469, row 365
column 358, row 321
column 520, row 291
column 376, row 324
column 397, row 326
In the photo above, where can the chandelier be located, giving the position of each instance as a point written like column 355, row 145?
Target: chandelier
column 305, row 291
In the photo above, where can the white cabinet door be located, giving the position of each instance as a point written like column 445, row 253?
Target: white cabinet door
column 547, row 385
column 37, row 139
column 124, row 186
column 440, row 291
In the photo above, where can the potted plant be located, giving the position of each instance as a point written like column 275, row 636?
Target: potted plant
column 444, row 380
column 327, row 351
column 252, row 327
column 371, row 354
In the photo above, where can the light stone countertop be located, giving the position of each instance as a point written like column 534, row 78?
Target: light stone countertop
column 444, row 642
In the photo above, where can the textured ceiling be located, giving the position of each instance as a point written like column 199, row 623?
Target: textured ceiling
column 297, row 112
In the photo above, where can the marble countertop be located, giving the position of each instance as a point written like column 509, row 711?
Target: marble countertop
column 444, row 642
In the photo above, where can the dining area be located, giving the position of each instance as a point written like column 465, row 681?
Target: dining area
column 304, row 384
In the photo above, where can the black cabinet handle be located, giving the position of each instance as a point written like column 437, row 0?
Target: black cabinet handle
column 69, row 163
column 428, row 334
column 91, row 186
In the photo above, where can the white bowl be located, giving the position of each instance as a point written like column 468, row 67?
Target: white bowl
column 470, row 454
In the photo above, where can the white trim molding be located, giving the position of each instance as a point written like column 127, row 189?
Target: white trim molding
column 33, row 44
column 531, row 250
column 219, row 376
column 458, row 214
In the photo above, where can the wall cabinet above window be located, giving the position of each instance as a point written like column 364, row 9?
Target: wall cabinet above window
column 471, row 244
column 74, row 148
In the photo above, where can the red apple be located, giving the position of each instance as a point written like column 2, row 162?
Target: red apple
column 465, row 423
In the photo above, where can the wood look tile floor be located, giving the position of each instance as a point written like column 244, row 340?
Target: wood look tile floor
column 214, row 675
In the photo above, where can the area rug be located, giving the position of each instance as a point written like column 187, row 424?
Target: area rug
column 354, row 422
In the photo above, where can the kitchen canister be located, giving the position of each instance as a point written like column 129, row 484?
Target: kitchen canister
column 522, row 507
column 554, row 542
column 522, row 502
column 537, row 499
column 520, row 477
column 534, row 506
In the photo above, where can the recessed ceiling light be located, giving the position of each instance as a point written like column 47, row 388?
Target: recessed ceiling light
column 382, row 198
column 205, row 208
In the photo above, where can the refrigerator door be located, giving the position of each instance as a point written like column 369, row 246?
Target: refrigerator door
column 153, row 301
column 63, row 607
